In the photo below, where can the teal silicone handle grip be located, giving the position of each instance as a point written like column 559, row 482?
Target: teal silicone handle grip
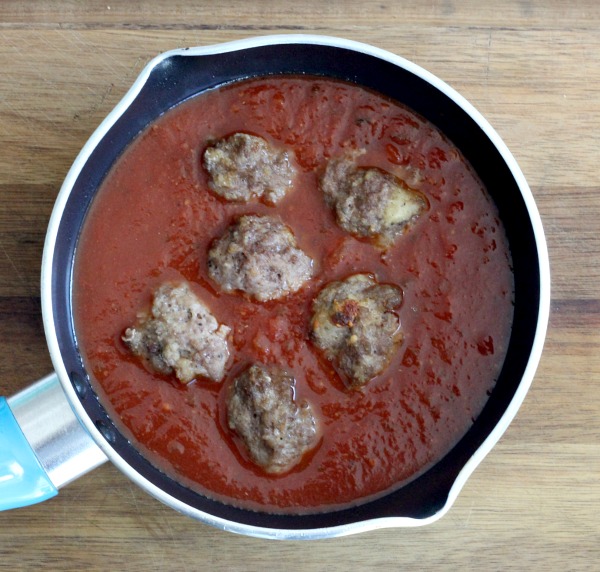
column 23, row 481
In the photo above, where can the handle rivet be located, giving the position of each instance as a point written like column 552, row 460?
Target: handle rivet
column 108, row 431
column 79, row 383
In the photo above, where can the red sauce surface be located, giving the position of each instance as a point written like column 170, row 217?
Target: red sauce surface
column 154, row 219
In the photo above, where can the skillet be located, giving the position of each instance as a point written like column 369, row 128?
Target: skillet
column 54, row 440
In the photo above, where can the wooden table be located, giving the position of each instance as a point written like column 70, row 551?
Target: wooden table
column 531, row 67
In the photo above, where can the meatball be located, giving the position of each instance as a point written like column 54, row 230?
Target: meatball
column 180, row 335
column 258, row 255
column 275, row 430
column 370, row 202
column 243, row 167
column 355, row 326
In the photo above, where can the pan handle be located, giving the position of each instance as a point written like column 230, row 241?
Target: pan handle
column 43, row 446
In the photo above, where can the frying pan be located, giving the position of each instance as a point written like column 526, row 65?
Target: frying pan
column 56, row 430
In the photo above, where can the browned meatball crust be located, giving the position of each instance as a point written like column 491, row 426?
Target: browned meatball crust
column 370, row 202
column 262, row 410
column 243, row 167
column 258, row 255
column 355, row 326
column 180, row 336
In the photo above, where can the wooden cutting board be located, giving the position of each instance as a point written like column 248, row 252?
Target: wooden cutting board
column 531, row 67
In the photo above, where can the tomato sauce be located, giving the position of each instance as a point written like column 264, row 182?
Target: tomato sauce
column 154, row 219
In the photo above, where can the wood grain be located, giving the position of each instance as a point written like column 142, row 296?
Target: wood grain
column 531, row 67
